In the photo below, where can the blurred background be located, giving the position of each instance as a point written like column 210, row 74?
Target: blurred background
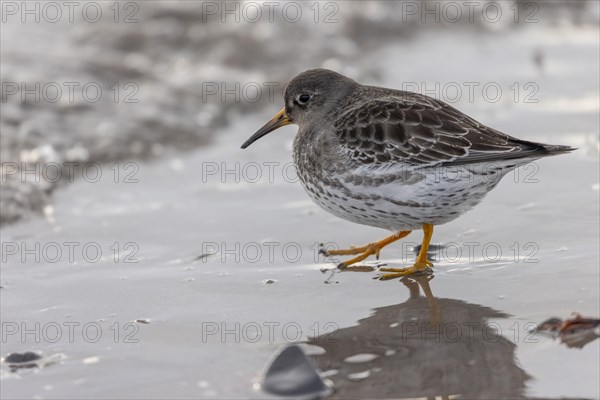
column 120, row 126
column 106, row 82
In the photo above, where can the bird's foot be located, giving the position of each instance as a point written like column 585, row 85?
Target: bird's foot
column 363, row 252
column 393, row 273
column 370, row 249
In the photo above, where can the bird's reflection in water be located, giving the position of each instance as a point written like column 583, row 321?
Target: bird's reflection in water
column 425, row 347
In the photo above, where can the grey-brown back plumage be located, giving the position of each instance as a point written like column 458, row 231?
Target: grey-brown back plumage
column 379, row 125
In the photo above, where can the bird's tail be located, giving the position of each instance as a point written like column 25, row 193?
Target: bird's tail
column 539, row 150
column 552, row 149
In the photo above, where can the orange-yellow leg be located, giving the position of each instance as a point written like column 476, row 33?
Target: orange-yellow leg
column 353, row 250
column 367, row 250
column 421, row 264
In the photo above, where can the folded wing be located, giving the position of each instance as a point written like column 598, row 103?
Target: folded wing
column 414, row 129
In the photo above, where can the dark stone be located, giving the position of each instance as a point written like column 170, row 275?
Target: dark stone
column 19, row 358
column 292, row 374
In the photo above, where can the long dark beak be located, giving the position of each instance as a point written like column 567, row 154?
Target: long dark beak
column 281, row 119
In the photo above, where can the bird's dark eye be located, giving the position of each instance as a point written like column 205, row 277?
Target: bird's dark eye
column 303, row 98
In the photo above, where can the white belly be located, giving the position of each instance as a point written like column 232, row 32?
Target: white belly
column 404, row 201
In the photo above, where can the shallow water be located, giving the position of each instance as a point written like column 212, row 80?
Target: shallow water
column 221, row 269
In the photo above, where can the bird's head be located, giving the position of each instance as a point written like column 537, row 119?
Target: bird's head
column 310, row 96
